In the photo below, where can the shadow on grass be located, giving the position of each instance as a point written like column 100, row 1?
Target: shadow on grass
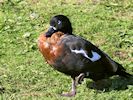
column 2, row 89
column 114, row 83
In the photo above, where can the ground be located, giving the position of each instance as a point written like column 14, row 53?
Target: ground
column 24, row 74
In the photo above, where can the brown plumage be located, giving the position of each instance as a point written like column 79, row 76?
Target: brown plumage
column 49, row 46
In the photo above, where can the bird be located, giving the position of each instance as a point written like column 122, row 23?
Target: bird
column 75, row 56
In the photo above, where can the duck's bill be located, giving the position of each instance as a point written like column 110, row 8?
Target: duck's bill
column 50, row 31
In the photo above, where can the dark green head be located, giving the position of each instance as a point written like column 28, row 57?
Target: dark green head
column 59, row 23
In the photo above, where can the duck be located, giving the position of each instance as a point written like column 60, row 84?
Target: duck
column 75, row 56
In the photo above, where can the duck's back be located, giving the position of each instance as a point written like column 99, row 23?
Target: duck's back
column 78, row 56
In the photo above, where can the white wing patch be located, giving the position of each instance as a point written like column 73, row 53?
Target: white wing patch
column 95, row 55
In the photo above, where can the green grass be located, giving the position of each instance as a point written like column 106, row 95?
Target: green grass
column 24, row 75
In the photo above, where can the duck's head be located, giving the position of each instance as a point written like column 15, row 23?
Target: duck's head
column 59, row 23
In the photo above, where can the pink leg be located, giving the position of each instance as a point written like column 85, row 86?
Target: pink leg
column 75, row 82
column 80, row 78
column 73, row 90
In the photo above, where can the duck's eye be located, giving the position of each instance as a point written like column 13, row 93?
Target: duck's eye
column 59, row 22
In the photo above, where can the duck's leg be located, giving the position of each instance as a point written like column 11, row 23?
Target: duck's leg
column 75, row 81
column 80, row 78
column 73, row 90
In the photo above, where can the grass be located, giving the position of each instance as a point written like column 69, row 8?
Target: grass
column 24, row 75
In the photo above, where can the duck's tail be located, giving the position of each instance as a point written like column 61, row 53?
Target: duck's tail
column 121, row 71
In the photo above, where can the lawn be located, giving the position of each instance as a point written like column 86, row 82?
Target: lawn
column 24, row 75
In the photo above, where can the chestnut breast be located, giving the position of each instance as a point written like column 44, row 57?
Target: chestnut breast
column 49, row 46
